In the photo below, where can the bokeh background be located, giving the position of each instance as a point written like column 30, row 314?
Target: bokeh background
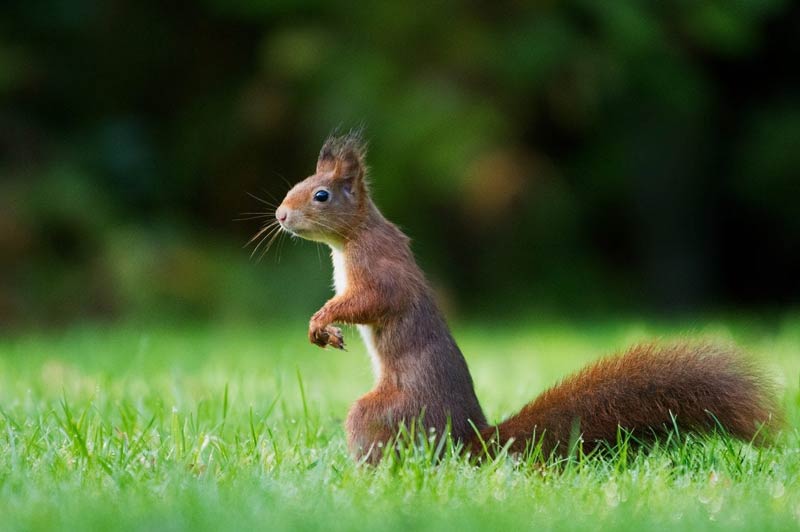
column 570, row 158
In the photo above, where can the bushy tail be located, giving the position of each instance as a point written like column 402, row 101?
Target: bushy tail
column 647, row 390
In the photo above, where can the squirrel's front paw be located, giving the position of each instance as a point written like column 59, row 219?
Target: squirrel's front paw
column 335, row 338
column 324, row 336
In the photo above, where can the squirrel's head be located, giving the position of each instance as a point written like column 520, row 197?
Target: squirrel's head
column 329, row 205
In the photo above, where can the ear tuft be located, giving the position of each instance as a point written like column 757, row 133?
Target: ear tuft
column 345, row 155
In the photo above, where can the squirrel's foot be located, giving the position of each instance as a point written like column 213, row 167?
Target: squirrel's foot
column 328, row 335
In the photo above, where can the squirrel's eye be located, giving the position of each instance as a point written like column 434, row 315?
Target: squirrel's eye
column 321, row 195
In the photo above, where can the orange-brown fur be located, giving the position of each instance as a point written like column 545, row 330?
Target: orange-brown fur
column 646, row 391
column 421, row 373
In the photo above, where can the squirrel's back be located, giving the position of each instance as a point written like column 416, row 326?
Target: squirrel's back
column 648, row 390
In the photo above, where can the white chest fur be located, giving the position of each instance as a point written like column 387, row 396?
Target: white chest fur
column 340, row 284
column 339, row 270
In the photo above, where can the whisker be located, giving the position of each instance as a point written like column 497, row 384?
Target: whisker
column 280, row 247
column 261, row 232
column 265, row 202
column 271, row 236
column 284, row 179
column 273, row 230
column 256, row 217
column 268, row 193
column 277, row 234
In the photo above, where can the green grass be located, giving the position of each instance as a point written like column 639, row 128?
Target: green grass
column 239, row 427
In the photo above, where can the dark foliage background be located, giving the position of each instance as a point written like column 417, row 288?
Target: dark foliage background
column 573, row 156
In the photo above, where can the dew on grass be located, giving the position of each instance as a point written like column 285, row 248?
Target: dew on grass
column 715, row 506
column 611, row 492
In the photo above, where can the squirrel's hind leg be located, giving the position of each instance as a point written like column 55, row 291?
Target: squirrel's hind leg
column 373, row 423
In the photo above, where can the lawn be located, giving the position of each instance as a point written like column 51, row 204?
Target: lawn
column 234, row 426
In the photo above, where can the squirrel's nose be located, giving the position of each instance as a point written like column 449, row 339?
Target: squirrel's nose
column 281, row 214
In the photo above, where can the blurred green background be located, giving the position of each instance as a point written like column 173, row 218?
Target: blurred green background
column 571, row 158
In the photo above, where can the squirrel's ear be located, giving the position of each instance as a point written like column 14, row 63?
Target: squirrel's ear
column 343, row 156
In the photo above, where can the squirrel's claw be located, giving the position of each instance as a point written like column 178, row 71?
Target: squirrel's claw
column 335, row 337
column 327, row 336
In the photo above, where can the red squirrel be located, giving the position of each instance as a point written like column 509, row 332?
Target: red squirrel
column 422, row 377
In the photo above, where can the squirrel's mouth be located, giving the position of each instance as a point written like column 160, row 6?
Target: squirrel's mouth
column 308, row 234
column 285, row 226
column 295, row 231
